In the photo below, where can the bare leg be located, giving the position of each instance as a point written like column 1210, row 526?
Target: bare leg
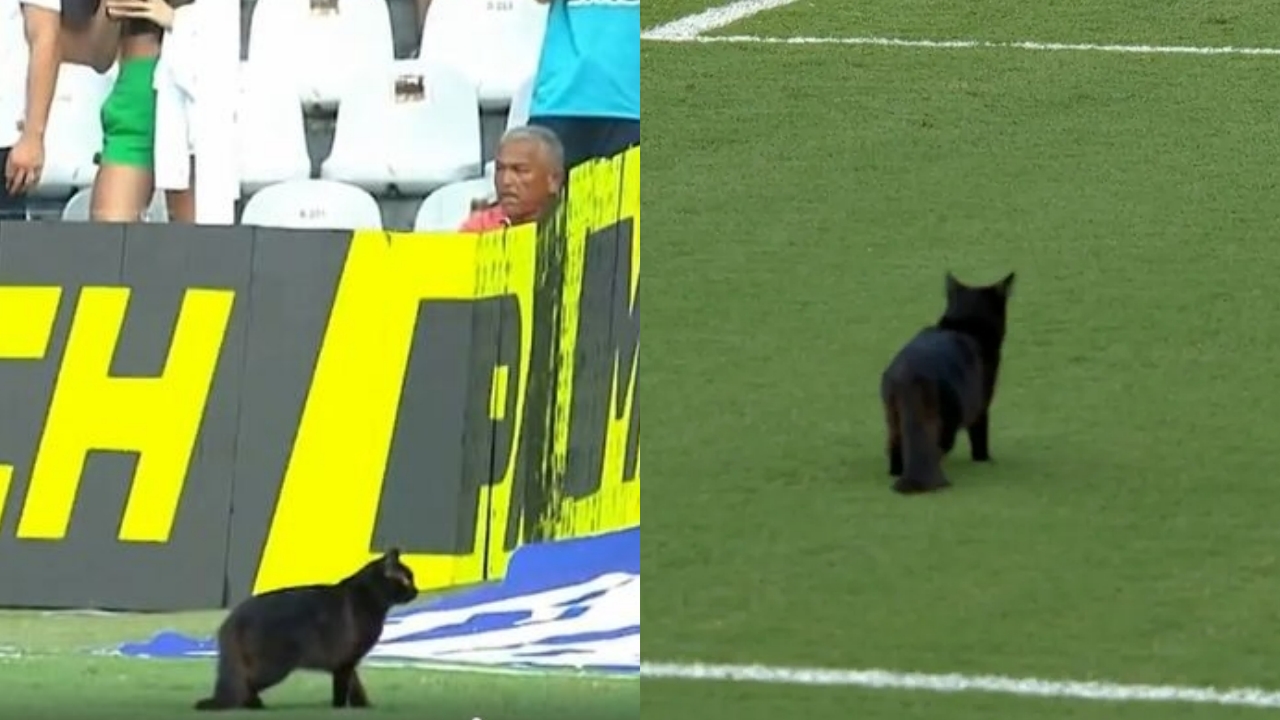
column 121, row 193
column 182, row 203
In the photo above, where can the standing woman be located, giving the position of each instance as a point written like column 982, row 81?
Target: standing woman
column 130, row 31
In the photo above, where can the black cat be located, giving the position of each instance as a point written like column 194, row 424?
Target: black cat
column 942, row 380
column 314, row 627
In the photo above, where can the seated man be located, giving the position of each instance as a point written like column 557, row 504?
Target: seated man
column 528, row 174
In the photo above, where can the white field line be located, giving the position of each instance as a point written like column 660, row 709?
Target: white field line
column 959, row 44
column 693, row 26
column 955, row 683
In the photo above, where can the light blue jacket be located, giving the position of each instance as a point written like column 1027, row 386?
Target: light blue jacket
column 590, row 64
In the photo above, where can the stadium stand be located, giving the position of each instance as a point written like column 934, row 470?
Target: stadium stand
column 325, row 46
column 427, row 122
column 307, row 111
column 271, row 130
column 512, row 32
column 424, row 161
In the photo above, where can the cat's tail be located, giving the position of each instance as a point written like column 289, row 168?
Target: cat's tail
column 920, row 429
column 223, row 698
column 226, row 694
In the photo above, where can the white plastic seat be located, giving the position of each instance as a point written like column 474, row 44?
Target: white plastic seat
column 521, row 104
column 324, row 45
column 445, row 209
column 495, row 43
column 517, row 114
column 78, row 207
column 158, row 210
column 313, row 204
column 74, row 132
column 412, row 126
column 270, row 129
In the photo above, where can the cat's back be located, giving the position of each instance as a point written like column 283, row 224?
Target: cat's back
column 934, row 353
column 287, row 606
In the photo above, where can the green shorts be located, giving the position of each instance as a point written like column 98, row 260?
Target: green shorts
column 129, row 116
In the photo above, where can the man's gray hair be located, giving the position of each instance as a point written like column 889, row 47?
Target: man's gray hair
column 544, row 137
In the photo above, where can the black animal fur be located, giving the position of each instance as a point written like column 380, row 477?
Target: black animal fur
column 942, row 380
column 315, row 627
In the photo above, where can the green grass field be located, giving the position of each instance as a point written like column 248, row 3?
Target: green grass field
column 804, row 202
column 49, row 669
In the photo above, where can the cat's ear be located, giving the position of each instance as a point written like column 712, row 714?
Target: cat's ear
column 1006, row 286
column 952, row 284
column 393, row 555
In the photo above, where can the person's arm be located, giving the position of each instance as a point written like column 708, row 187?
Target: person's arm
column 25, row 165
column 43, row 29
column 156, row 11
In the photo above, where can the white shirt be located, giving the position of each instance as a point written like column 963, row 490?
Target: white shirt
column 176, row 81
column 14, row 55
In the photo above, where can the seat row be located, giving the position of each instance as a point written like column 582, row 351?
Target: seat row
column 327, row 46
column 326, row 205
column 410, row 126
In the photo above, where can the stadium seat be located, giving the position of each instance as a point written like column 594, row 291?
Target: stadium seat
column 158, row 210
column 313, row 204
column 521, row 102
column 517, row 114
column 495, row 43
column 446, row 208
column 413, row 127
column 270, row 129
column 74, row 132
column 324, row 45
column 78, row 207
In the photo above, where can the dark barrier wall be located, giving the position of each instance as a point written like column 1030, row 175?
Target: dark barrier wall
column 192, row 414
